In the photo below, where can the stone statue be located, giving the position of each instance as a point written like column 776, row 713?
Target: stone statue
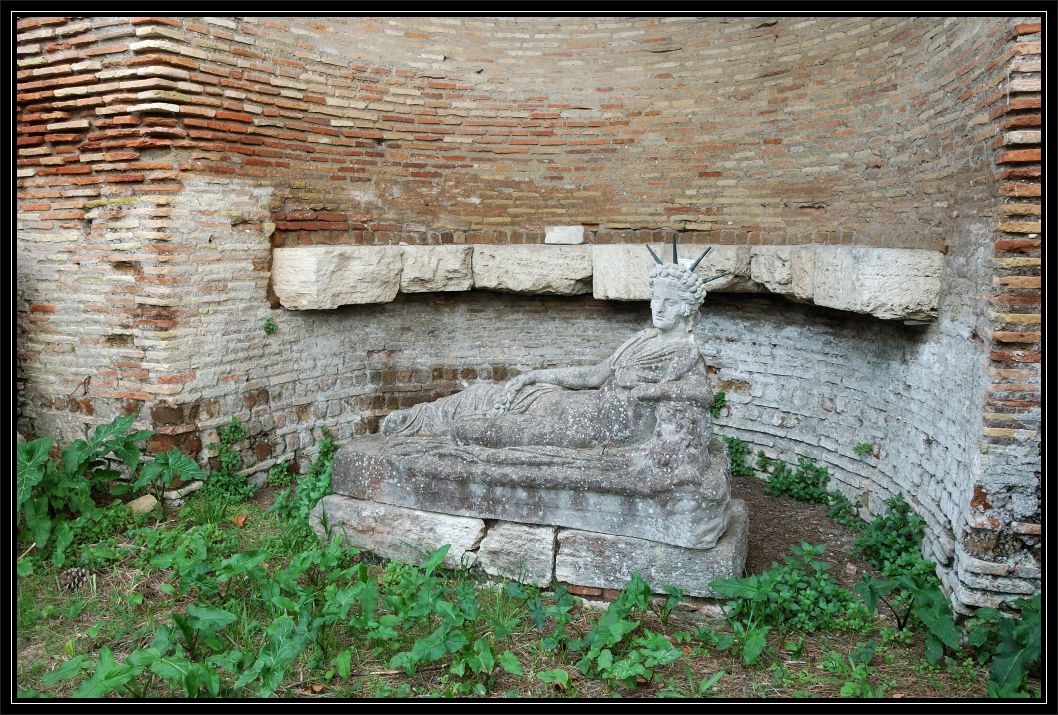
column 623, row 447
column 609, row 403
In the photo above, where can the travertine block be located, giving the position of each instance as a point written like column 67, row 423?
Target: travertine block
column 320, row 277
column 556, row 270
column 608, row 561
column 771, row 267
column 436, row 268
column 569, row 235
column 520, row 552
column 619, row 272
column 893, row 283
column 396, row 532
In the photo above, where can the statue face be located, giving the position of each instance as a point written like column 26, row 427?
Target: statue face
column 666, row 306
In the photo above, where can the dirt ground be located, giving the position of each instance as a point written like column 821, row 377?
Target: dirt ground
column 778, row 522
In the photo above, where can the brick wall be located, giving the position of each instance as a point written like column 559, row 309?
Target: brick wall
column 160, row 160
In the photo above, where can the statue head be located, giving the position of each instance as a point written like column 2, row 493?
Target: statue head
column 676, row 290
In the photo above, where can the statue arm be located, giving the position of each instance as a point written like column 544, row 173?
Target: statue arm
column 585, row 377
column 695, row 391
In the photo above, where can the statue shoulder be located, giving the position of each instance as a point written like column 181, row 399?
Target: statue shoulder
column 635, row 339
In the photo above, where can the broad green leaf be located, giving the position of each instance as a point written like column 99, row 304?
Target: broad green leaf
column 70, row 669
column 509, row 662
column 74, row 455
column 754, row 644
column 31, row 458
column 25, row 566
column 63, row 534
column 120, row 425
column 38, row 522
column 342, row 662
column 934, row 648
column 436, row 558
column 484, row 654
column 141, row 435
column 871, row 589
column 449, row 613
column 558, row 677
column 748, row 588
column 213, row 619
column 455, row 641
column 108, row 677
column 940, row 624
column 1009, row 668
column 172, row 669
column 128, row 453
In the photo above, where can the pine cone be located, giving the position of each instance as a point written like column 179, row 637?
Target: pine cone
column 73, row 578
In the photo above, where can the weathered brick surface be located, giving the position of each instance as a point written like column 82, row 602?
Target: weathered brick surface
column 159, row 160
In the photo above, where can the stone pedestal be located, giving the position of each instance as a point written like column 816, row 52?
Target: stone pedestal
column 602, row 490
column 538, row 555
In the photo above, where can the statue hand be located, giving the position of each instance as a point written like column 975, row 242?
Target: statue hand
column 510, row 391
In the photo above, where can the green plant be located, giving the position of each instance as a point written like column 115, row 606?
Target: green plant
column 226, row 483
column 280, row 475
column 843, row 511
column 890, row 542
column 663, row 609
column 807, row 483
column 1012, row 644
column 313, row 486
column 863, row 449
column 718, row 404
column 921, row 598
column 855, row 671
column 610, row 655
column 49, row 490
column 737, row 451
column 270, row 326
column 704, row 688
column 164, row 469
column 798, row 594
column 88, row 539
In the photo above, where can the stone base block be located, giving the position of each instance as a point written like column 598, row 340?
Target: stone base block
column 596, row 563
column 519, row 552
column 607, row 561
column 395, row 532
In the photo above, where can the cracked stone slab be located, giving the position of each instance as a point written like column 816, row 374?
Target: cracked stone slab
column 519, row 552
column 607, row 561
column 539, row 270
column 321, row 277
column 396, row 532
column 891, row 283
column 428, row 269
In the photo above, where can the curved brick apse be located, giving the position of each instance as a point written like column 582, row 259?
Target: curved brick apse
column 162, row 159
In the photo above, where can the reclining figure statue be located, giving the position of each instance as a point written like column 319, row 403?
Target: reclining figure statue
column 621, row 447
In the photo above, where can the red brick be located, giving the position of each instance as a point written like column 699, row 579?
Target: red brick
column 235, row 116
column 1020, row 120
column 1012, row 337
column 1014, row 356
column 1014, row 155
column 156, row 20
column 1021, row 190
column 1026, row 28
column 1020, row 172
column 1017, row 244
